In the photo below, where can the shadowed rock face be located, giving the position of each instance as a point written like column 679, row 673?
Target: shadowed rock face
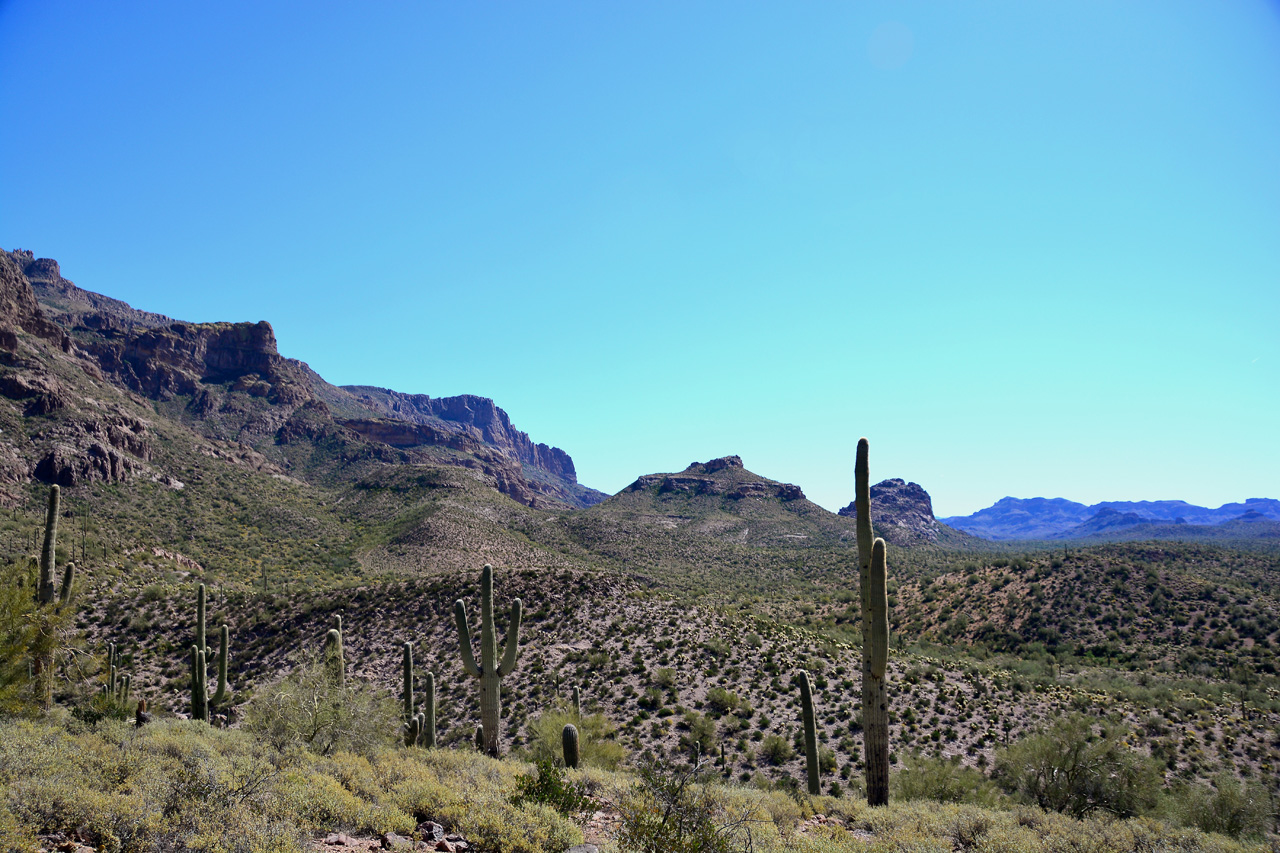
column 18, row 306
column 480, row 420
column 901, row 509
column 222, row 367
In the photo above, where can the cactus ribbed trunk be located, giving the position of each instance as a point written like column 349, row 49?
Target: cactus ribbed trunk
column 876, row 723
column 48, row 554
column 490, row 672
column 200, row 612
column 406, row 665
column 224, row 642
column 428, row 736
column 334, row 660
column 199, row 680
column 810, row 734
column 569, row 741
column 68, row 582
column 875, row 635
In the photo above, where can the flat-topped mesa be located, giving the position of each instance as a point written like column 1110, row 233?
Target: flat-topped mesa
column 699, row 479
column 902, row 511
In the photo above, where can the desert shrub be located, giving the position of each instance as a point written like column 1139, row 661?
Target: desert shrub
column 722, row 701
column 547, row 785
column 1066, row 768
column 776, row 749
column 700, row 736
column 676, row 811
column 941, row 779
column 1229, row 807
column 307, row 709
column 596, row 744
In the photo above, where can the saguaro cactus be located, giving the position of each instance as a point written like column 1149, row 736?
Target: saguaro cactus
column 224, row 642
column 199, row 686
column 810, row 734
column 577, row 702
column 490, row 671
column 569, row 741
column 875, row 638
column 334, row 661
column 48, row 554
column 200, row 613
column 406, row 666
column 427, row 737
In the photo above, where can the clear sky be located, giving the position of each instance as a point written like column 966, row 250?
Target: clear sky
column 1028, row 249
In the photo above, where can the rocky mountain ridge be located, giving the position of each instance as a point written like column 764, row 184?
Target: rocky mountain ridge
column 218, row 370
column 1058, row 518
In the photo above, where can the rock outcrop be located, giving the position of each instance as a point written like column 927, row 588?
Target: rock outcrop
column 475, row 416
column 697, row 480
column 901, row 512
column 19, row 309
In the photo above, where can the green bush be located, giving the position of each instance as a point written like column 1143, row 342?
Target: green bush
column 547, row 785
column 776, row 749
column 941, row 779
column 307, row 709
column 596, row 744
column 1229, row 807
column 677, row 811
column 1069, row 769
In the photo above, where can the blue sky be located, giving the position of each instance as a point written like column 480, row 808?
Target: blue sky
column 1027, row 249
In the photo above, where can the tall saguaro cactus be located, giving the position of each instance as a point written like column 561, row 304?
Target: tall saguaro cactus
column 810, row 734
column 44, row 593
column 875, row 638
column 427, row 735
column 224, row 641
column 51, row 621
column 489, row 671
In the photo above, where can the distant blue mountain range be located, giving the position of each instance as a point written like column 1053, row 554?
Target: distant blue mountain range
column 1059, row 518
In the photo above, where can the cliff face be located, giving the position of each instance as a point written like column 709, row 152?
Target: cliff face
column 18, row 306
column 480, row 419
column 902, row 512
column 240, row 389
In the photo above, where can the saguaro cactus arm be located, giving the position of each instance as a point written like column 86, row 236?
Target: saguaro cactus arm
column 68, row 582
column 464, row 639
column 513, row 640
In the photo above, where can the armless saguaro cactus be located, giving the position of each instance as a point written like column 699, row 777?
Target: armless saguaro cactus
column 224, row 642
column 490, row 671
column 335, row 662
column 427, row 737
column 48, row 554
column 810, row 734
column 569, row 743
column 875, row 638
